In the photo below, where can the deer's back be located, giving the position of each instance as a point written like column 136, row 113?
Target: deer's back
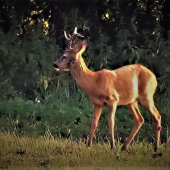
column 124, row 84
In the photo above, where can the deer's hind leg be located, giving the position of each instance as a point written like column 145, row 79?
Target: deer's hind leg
column 148, row 104
column 133, row 107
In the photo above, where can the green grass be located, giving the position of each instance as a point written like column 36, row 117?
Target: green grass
column 91, row 168
column 49, row 153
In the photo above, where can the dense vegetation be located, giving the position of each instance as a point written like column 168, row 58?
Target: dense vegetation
column 36, row 100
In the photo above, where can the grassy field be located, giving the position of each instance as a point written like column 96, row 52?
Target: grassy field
column 27, row 153
column 90, row 168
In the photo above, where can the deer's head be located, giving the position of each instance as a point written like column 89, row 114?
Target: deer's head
column 76, row 46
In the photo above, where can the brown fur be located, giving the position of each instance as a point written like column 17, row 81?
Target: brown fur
column 127, row 85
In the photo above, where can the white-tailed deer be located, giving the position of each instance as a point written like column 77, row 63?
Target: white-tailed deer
column 127, row 85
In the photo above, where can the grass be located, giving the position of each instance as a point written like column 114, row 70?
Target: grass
column 92, row 168
column 48, row 153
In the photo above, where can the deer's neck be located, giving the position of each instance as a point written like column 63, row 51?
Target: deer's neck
column 82, row 74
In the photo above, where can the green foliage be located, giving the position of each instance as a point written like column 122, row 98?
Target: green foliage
column 37, row 118
column 103, row 53
column 32, row 40
column 26, row 63
column 72, row 119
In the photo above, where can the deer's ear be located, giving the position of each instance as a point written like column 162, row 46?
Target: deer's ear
column 84, row 43
column 83, row 46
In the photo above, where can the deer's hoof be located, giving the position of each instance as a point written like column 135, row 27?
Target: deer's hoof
column 124, row 148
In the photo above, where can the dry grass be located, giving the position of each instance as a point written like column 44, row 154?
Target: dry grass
column 48, row 153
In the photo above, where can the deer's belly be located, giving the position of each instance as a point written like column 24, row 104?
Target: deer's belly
column 106, row 100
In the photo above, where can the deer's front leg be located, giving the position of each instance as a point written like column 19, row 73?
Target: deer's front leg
column 96, row 115
column 111, row 121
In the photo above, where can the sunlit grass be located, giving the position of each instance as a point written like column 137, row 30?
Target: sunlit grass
column 45, row 152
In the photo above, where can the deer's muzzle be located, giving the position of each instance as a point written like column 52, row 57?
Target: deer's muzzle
column 55, row 65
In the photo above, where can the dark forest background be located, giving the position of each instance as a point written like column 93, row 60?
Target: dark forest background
column 36, row 100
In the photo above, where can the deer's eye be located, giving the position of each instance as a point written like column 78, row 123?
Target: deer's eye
column 64, row 57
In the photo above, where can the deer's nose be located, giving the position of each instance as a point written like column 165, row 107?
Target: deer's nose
column 55, row 65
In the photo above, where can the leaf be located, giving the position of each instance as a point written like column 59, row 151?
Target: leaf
column 133, row 19
column 137, row 61
column 167, row 69
column 129, row 44
column 158, row 36
column 45, row 84
column 130, row 60
column 2, row 47
column 137, row 54
column 161, row 86
column 124, row 53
